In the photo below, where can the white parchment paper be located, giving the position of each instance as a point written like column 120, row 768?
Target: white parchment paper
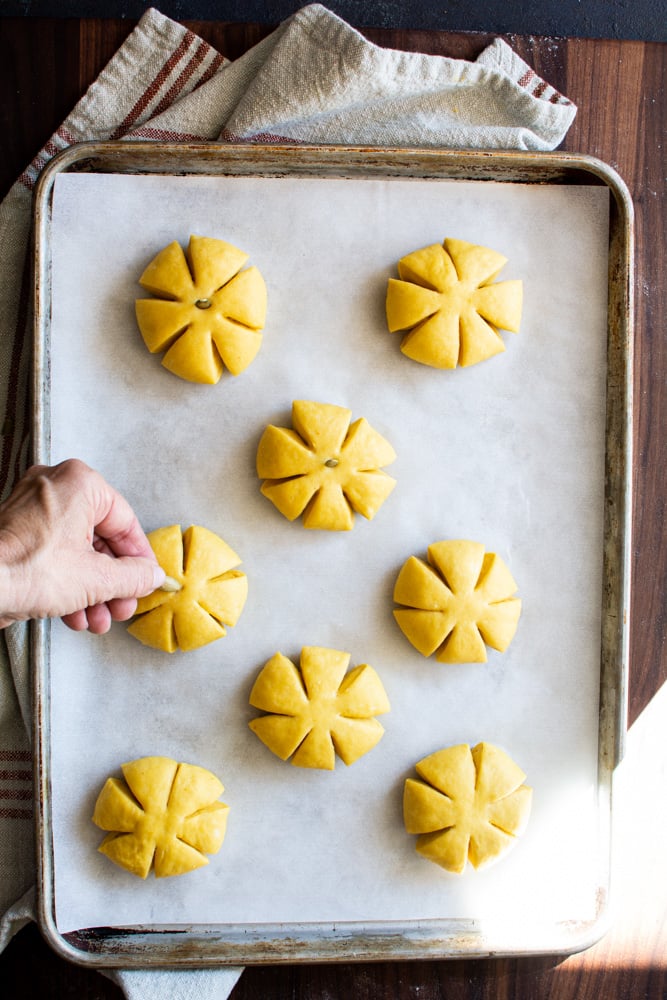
column 509, row 452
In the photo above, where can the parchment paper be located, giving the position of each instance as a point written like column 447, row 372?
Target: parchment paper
column 509, row 452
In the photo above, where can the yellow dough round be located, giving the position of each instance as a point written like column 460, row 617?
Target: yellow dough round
column 325, row 467
column 457, row 603
column 448, row 301
column 317, row 710
column 163, row 816
column 207, row 312
column 466, row 805
column 203, row 592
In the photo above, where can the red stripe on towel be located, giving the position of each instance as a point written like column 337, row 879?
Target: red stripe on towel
column 15, row 813
column 201, row 52
column 16, row 794
column 166, row 135
column 15, row 775
column 154, row 87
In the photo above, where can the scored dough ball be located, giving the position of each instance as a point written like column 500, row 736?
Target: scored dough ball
column 318, row 709
column 457, row 603
column 162, row 816
column 466, row 805
column 325, row 467
column 448, row 301
column 204, row 591
column 207, row 312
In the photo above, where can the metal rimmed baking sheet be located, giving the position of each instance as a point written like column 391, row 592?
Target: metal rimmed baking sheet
column 337, row 220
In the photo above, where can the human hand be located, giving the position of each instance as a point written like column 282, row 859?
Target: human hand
column 72, row 547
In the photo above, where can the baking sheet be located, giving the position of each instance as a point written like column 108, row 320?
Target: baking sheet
column 510, row 453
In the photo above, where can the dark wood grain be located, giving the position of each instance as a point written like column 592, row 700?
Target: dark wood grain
column 619, row 87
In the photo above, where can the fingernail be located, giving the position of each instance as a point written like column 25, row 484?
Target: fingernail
column 158, row 577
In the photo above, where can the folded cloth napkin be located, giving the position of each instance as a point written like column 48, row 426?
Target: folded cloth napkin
column 313, row 80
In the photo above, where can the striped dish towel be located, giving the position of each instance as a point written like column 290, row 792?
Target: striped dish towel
column 313, row 80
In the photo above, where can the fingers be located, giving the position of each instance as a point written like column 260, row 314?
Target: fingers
column 127, row 576
column 117, row 528
column 117, row 525
column 120, row 579
column 132, row 570
column 122, row 608
column 72, row 541
column 99, row 619
column 77, row 621
column 139, row 575
column 96, row 619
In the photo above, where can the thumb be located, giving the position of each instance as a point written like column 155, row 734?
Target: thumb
column 128, row 576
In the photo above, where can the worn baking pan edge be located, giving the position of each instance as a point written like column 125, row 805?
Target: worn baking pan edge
column 186, row 946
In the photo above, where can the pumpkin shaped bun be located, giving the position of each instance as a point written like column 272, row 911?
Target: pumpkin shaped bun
column 466, row 805
column 325, row 467
column 207, row 311
column 457, row 603
column 203, row 592
column 318, row 709
column 449, row 305
column 161, row 816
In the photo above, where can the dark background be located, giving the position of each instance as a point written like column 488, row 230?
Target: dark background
column 629, row 19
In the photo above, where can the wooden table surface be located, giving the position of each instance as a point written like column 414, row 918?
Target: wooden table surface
column 619, row 87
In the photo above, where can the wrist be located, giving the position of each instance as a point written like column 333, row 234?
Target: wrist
column 12, row 580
